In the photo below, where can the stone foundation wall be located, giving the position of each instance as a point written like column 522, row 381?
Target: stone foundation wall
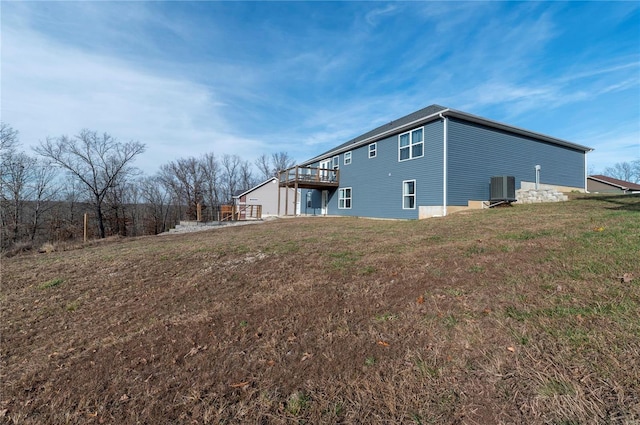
column 533, row 196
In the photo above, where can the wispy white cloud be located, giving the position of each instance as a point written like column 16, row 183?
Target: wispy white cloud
column 249, row 78
column 620, row 143
column 50, row 89
column 374, row 16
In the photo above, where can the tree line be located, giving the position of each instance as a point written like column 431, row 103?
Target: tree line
column 43, row 197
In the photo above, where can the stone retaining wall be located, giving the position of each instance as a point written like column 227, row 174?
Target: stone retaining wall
column 533, row 196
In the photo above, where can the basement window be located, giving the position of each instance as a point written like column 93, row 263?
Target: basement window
column 409, row 195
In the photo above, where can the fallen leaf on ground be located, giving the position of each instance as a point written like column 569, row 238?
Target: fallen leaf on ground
column 240, row 385
column 511, row 349
column 421, row 299
column 306, row 356
column 383, row 343
column 627, row 277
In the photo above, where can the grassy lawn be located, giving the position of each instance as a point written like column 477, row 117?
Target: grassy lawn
column 528, row 314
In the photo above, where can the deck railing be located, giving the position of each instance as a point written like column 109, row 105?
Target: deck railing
column 240, row 212
column 309, row 176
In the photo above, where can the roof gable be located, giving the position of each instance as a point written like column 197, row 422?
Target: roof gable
column 241, row 193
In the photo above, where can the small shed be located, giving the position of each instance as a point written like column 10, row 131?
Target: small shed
column 266, row 194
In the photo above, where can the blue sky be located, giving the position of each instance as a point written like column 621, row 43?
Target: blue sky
column 248, row 78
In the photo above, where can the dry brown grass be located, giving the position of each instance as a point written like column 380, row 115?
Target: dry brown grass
column 514, row 315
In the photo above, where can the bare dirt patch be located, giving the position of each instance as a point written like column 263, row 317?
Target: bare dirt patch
column 517, row 315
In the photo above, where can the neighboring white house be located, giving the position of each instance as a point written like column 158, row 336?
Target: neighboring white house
column 266, row 194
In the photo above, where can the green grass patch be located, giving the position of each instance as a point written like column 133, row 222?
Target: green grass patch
column 554, row 387
column 297, row 403
column 52, row 283
column 386, row 317
column 343, row 260
column 526, row 235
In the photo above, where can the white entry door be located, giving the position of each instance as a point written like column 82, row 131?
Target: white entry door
column 324, row 207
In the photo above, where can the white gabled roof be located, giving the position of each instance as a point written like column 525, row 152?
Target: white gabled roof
column 254, row 188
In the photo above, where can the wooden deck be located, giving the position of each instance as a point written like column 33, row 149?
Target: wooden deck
column 309, row 178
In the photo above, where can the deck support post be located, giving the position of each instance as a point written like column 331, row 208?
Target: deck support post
column 295, row 193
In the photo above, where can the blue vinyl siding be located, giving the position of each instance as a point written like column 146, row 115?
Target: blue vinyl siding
column 475, row 153
column 377, row 182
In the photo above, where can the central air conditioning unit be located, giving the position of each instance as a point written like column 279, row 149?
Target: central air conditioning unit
column 503, row 189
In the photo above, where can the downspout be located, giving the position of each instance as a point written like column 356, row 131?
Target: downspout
column 444, row 166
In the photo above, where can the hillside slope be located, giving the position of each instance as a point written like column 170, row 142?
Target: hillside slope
column 528, row 314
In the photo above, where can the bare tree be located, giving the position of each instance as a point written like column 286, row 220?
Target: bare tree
column 44, row 191
column 156, row 202
column 15, row 190
column 263, row 162
column 247, row 180
column 212, row 175
column 8, row 139
column 184, row 178
column 269, row 166
column 98, row 161
column 230, row 175
column 281, row 161
column 627, row 171
column 8, row 143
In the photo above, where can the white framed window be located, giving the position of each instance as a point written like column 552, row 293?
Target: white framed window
column 411, row 144
column 336, row 162
column 344, row 198
column 373, row 150
column 347, row 158
column 409, row 195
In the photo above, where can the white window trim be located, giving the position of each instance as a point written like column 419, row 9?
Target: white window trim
column 415, row 194
column 411, row 144
column 375, row 150
column 350, row 198
column 335, row 161
column 347, row 155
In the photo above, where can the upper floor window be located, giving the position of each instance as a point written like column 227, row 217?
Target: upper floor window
column 347, row 158
column 373, row 150
column 411, row 144
column 336, row 162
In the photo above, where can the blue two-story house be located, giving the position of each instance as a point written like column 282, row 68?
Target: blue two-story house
column 430, row 163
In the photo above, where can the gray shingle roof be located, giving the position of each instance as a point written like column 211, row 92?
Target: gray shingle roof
column 424, row 112
column 429, row 113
